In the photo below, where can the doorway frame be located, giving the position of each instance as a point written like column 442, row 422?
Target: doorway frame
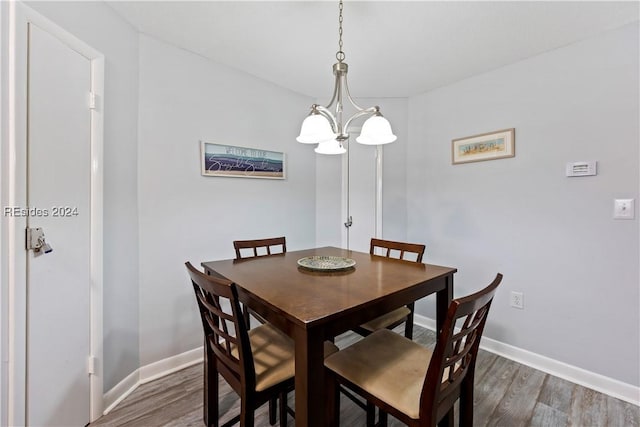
column 13, row 171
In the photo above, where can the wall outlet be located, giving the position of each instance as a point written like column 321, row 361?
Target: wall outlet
column 623, row 209
column 517, row 300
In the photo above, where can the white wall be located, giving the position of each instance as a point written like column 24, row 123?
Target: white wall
column 184, row 216
column 552, row 237
column 101, row 28
column 394, row 172
column 329, row 218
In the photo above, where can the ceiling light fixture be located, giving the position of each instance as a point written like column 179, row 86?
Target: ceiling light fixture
column 324, row 125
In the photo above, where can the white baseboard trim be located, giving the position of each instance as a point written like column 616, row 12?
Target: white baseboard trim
column 149, row 373
column 121, row 390
column 612, row 387
column 172, row 364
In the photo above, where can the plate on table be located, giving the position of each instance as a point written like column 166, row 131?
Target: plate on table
column 326, row 263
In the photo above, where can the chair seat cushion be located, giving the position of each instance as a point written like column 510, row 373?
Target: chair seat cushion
column 388, row 366
column 386, row 320
column 274, row 355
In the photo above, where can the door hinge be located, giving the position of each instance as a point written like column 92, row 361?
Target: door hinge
column 91, row 365
column 92, row 100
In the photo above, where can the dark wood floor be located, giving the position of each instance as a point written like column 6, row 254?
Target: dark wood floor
column 507, row 394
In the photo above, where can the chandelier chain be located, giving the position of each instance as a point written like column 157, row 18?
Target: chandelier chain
column 340, row 54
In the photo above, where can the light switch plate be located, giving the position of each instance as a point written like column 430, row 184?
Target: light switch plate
column 623, row 209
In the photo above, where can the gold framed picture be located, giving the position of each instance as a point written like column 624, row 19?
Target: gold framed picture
column 486, row 146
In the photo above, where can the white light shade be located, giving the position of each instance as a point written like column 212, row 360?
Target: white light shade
column 315, row 128
column 376, row 131
column 330, row 147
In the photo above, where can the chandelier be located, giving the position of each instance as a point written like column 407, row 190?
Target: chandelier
column 325, row 126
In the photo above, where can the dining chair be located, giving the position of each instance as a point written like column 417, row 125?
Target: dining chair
column 258, row 364
column 405, row 251
column 414, row 384
column 254, row 249
column 260, row 247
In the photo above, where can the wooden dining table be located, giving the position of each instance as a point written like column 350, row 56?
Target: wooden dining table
column 313, row 306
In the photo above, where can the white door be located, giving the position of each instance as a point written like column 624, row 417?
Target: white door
column 58, row 192
column 362, row 201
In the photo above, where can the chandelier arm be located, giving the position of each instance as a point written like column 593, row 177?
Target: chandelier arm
column 326, row 113
column 336, row 91
column 346, row 90
column 364, row 112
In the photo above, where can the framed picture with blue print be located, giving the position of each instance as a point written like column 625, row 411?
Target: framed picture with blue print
column 241, row 162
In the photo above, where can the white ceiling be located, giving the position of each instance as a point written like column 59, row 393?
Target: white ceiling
column 393, row 48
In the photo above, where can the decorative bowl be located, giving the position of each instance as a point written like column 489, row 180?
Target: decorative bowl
column 326, row 263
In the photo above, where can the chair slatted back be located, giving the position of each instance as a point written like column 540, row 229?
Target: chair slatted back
column 224, row 326
column 455, row 353
column 260, row 247
column 400, row 248
column 391, row 248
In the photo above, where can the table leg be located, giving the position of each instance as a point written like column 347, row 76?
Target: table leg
column 443, row 299
column 309, row 377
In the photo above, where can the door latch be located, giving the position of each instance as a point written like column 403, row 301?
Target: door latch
column 35, row 241
column 349, row 222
